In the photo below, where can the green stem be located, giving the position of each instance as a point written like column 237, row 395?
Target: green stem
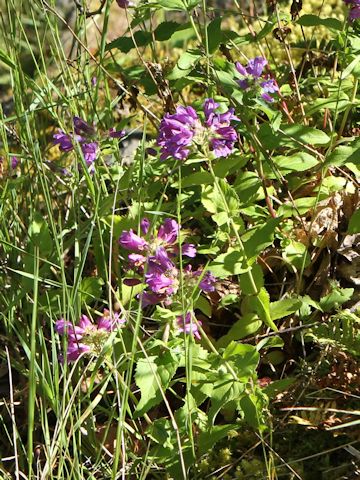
column 235, row 230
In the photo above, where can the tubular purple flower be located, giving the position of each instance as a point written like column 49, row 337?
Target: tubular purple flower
column 222, row 135
column 61, row 325
column 354, row 13
column 189, row 250
column 136, row 260
column 168, row 231
column 75, row 349
column 124, row 3
column 188, row 326
column 89, row 151
column 82, row 128
column 14, row 162
column 176, row 133
column 256, row 66
column 64, row 141
column 130, row 241
column 116, row 133
column 145, row 225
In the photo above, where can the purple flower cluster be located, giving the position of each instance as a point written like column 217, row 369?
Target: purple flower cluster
column 187, row 325
column 354, row 12
column 252, row 77
column 83, row 134
column 154, row 257
column 87, row 337
column 183, row 130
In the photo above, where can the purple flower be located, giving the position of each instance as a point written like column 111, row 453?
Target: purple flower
column 150, row 298
column 64, row 141
column 176, row 133
column 189, row 250
column 253, row 77
column 14, row 162
column 116, row 133
column 207, row 283
column 222, row 135
column 354, row 13
column 89, row 151
column 145, row 225
column 124, row 3
column 109, row 322
column 168, row 231
column 162, row 275
column 87, row 337
column 82, row 128
column 188, row 326
column 130, row 241
column 179, row 132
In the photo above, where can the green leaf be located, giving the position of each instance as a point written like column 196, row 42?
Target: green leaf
column 224, row 201
column 298, row 162
column 245, row 358
column 334, row 299
column 278, row 386
column 252, row 409
column 348, row 70
column 125, row 44
column 245, row 326
column 314, row 20
column 225, row 390
column 152, row 376
column 166, row 30
column 291, row 136
column 247, row 186
column 197, row 178
column 40, row 235
column 246, row 285
column 91, row 289
column 354, row 223
column 259, row 238
column 295, row 253
column 261, row 304
column 232, row 164
column 185, row 64
column 214, row 34
column 283, row 308
column 230, row 263
column 171, row 4
column 206, row 440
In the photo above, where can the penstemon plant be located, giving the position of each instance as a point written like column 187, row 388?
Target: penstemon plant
column 175, row 202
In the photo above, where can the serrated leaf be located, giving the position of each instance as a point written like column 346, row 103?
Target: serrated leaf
column 230, row 263
column 225, row 390
column 244, row 357
column 283, row 308
column 153, row 375
column 125, row 44
column 259, row 238
column 197, row 178
column 224, row 201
